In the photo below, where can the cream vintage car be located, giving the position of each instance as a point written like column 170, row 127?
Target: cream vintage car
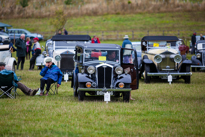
column 5, row 56
column 161, row 59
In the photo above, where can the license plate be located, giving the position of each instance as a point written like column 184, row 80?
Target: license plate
column 102, row 92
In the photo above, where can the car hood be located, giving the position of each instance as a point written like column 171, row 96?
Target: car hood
column 162, row 51
column 59, row 51
column 4, row 37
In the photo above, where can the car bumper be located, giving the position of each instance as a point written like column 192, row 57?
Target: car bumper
column 166, row 74
column 197, row 66
column 105, row 89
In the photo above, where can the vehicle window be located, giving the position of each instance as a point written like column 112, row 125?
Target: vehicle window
column 65, row 44
column 161, row 43
column 20, row 32
column 201, row 46
column 137, row 46
column 128, row 56
column 102, row 55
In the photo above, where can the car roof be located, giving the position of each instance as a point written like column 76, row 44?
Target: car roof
column 71, row 38
column 160, row 38
column 16, row 29
column 98, row 46
column 200, row 41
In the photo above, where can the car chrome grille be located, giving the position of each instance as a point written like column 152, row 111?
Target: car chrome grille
column 104, row 76
column 66, row 63
column 167, row 62
column 203, row 58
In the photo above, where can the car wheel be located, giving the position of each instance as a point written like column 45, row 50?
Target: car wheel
column 81, row 95
column 146, row 78
column 75, row 88
column 187, row 78
column 13, row 68
column 126, row 96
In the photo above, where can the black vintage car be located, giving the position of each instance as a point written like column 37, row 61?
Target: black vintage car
column 104, row 68
column 198, row 60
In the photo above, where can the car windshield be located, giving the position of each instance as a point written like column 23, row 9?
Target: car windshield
column 102, row 55
column 65, row 44
column 161, row 44
column 137, row 46
column 201, row 46
column 2, row 33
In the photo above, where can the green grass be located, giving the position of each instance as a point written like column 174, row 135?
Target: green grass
column 185, row 22
column 160, row 109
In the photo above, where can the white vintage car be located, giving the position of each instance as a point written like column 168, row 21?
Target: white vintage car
column 61, row 49
column 5, row 56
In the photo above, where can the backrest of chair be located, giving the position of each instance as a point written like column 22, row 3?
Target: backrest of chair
column 6, row 80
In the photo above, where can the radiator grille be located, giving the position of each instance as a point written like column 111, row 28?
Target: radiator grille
column 167, row 61
column 104, row 76
column 66, row 63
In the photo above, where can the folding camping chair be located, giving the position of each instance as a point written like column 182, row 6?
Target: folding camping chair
column 6, row 85
column 53, row 88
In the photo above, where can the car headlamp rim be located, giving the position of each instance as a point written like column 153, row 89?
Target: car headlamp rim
column 198, row 55
column 118, row 70
column 91, row 69
column 177, row 58
column 158, row 58
column 57, row 57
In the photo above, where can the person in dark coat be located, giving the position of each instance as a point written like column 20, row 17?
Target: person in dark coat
column 65, row 31
column 21, row 51
column 193, row 41
column 28, row 47
column 201, row 37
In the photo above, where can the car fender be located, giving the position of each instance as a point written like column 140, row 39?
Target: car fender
column 40, row 60
column 187, row 62
column 147, row 61
column 195, row 61
column 124, row 78
column 82, row 77
column 10, row 62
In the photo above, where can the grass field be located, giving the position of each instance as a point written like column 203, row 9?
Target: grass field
column 160, row 109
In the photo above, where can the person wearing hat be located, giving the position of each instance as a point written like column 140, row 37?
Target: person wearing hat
column 16, row 83
column 51, row 73
column 193, row 41
column 21, row 50
column 127, row 55
column 37, row 52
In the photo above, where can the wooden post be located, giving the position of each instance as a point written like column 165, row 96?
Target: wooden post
column 148, row 33
column 102, row 35
column 178, row 33
column 163, row 32
column 117, row 35
column 133, row 34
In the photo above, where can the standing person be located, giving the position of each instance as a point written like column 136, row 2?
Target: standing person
column 21, row 50
column 95, row 39
column 65, row 31
column 201, row 37
column 127, row 44
column 28, row 47
column 59, row 32
column 193, row 41
column 37, row 52
column 51, row 73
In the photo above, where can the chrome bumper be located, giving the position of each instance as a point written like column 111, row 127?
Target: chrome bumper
column 197, row 66
column 166, row 74
column 105, row 89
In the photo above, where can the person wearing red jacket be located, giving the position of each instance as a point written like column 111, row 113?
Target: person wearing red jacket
column 95, row 39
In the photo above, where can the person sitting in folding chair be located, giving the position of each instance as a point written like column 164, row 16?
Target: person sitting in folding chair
column 16, row 83
column 51, row 73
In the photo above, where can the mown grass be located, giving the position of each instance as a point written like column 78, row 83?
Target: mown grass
column 160, row 109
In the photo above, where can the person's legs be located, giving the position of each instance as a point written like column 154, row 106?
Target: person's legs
column 26, row 90
column 43, row 81
column 22, row 62
column 19, row 61
column 29, row 54
column 32, row 62
column 49, row 81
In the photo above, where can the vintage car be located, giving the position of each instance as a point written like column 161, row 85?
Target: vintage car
column 102, row 68
column 61, row 49
column 160, row 59
column 5, row 56
column 5, row 38
column 198, row 61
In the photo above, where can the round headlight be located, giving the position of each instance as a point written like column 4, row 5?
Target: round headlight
column 177, row 58
column 158, row 58
column 119, row 70
column 91, row 70
column 198, row 55
column 57, row 57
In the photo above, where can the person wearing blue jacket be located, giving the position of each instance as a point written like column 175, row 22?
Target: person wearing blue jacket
column 51, row 73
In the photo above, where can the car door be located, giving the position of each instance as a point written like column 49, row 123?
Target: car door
column 129, row 62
